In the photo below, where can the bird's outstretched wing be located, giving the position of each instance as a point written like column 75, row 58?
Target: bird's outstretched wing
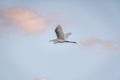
column 59, row 32
column 67, row 35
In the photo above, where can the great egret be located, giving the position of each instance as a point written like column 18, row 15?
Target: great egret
column 61, row 37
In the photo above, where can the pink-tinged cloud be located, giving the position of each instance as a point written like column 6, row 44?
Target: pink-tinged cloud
column 109, row 45
column 44, row 78
column 26, row 18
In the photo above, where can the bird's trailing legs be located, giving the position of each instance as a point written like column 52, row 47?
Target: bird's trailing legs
column 70, row 42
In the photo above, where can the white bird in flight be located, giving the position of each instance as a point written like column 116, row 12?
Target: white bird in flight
column 61, row 37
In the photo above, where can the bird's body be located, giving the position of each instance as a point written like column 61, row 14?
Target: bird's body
column 61, row 37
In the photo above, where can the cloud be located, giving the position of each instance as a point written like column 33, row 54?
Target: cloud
column 109, row 45
column 17, row 18
column 27, row 19
column 44, row 78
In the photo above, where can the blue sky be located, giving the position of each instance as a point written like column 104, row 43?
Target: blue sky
column 28, row 55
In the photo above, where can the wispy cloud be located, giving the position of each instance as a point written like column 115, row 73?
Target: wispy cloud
column 26, row 18
column 106, row 44
column 44, row 78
